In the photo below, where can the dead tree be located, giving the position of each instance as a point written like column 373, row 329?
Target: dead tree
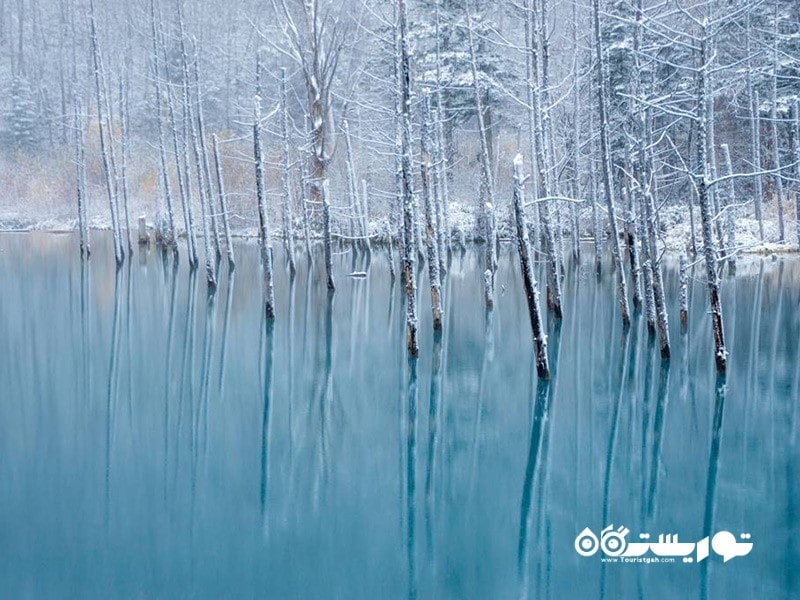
column 286, row 182
column 80, row 182
column 327, row 241
column 223, row 204
column 124, row 130
column 316, row 45
column 431, row 224
column 100, row 92
column 191, row 129
column 702, row 178
column 608, row 183
column 407, row 179
column 265, row 244
column 539, row 158
column 528, row 278
column 684, row 293
column 490, row 233
column 170, row 238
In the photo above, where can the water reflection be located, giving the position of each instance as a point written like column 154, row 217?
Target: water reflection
column 159, row 442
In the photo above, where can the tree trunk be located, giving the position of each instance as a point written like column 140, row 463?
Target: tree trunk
column 709, row 251
column 407, row 180
column 288, row 227
column 528, row 278
column 263, row 222
column 223, row 204
column 622, row 288
column 431, row 224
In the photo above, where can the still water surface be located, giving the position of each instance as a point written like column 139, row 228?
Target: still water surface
column 157, row 443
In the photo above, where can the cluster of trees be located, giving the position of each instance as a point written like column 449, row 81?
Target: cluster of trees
column 619, row 107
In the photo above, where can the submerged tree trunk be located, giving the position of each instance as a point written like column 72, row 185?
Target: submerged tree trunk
column 684, row 293
column 528, row 278
column 205, row 207
column 797, row 168
column 223, row 204
column 119, row 253
column 326, row 235
column 622, row 288
column 488, row 179
column 80, row 182
column 709, row 251
column 170, row 239
column 539, row 157
column 407, row 180
column 263, row 222
column 124, row 127
column 431, row 224
column 286, row 184
column 730, row 203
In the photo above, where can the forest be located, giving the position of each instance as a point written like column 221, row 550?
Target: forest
column 416, row 289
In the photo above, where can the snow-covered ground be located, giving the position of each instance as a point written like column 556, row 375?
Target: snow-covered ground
column 675, row 225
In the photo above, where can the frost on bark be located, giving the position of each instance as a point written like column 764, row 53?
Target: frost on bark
column 533, row 35
column 124, row 132
column 755, row 133
column 709, row 250
column 80, row 182
column 352, row 191
column 730, row 203
column 797, row 169
column 364, row 217
column 776, row 149
column 100, row 92
column 286, row 184
column 431, row 223
column 181, row 167
column 223, row 204
column 608, row 184
column 407, row 180
column 211, row 258
column 528, row 278
column 170, row 239
column 684, row 293
column 206, row 169
column 263, row 222
column 490, row 233
column 302, row 187
column 326, row 235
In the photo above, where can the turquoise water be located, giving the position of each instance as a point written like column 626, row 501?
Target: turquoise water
column 157, row 443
